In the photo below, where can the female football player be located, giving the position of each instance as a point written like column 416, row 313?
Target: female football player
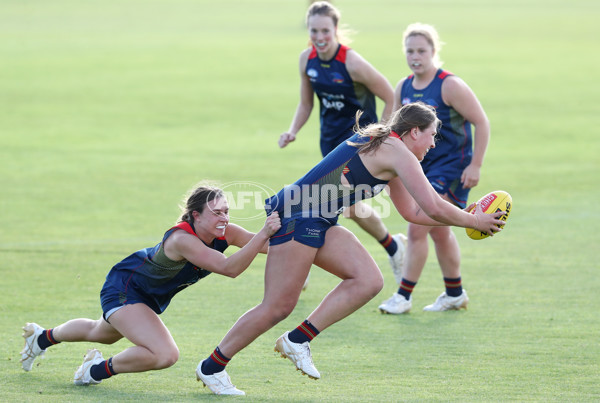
column 359, row 168
column 141, row 286
column 452, row 168
column 344, row 83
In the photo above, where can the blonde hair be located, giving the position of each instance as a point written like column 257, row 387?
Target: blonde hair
column 416, row 114
column 430, row 34
column 326, row 9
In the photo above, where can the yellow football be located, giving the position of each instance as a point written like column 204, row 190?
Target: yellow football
column 493, row 202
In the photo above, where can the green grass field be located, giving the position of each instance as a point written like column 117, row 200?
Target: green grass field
column 110, row 111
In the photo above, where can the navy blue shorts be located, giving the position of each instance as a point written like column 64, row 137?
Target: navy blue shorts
column 112, row 299
column 445, row 179
column 308, row 231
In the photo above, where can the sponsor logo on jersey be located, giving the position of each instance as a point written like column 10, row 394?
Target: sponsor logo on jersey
column 337, row 77
column 337, row 105
column 438, row 184
column 406, row 101
column 312, row 73
column 312, row 233
column 431, row 102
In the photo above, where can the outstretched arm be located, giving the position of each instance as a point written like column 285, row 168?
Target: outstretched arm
column 189, row 247
column 413, row 195
column 304, row 107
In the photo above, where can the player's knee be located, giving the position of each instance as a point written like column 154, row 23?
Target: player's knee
column 376, row 284
column 167, row 358
column 371, row 284
column 281, row 310
column 441, row 234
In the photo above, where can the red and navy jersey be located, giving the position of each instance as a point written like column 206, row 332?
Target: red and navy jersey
column 339, row 97
column 454, row 140
column 320, row 193
column 139, row 277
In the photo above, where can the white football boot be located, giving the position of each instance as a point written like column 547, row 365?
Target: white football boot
column 32, row 331
column 397, row 259
column 219, row 383
column 299, row 354
column 82, row 375
column 446, row 303
column 396, row 305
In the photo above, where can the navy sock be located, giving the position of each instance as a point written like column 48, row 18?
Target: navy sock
column 215, row 363
column 46, row 340
column 453, row 286
column 406, row 288
column 389, row 244
column 103, row 370
column 303, row 333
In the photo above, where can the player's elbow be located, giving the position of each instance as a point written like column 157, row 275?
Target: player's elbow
column 233, row 273
column 436, row 213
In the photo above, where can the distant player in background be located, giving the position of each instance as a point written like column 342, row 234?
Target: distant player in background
column 379, row 154
column 344, row 83
column 452, row 167
column 141, row 286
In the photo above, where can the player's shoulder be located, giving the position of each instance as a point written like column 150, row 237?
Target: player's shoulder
column 453, row 84
column 451, row 79
column 352, row 56
column 179, row 235
column 304, row 56
column 305, row 53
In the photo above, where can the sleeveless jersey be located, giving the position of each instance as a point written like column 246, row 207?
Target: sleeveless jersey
column 454, row 143
column 320, row 193
column 150, row 275
column 339, row 96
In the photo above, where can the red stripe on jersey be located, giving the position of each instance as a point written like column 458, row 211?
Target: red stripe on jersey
column 186, row 227
column 444, row 74
column 341, row 55
column 394, row 134
column 313, row 53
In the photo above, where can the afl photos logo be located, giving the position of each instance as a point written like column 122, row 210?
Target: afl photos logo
column 246, row 199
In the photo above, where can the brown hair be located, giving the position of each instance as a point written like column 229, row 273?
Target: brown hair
column 196, row 199
column 417, row 114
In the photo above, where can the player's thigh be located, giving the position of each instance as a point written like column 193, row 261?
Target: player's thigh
column 105, row 332
column 142, row 326
column 286, row 269
column 344, row 256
